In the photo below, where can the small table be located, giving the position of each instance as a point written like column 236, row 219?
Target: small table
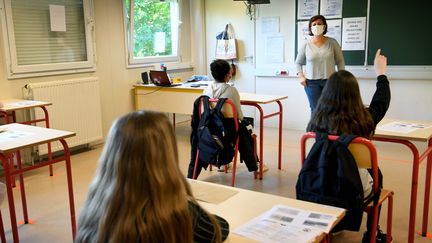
column 241, row 205
column 405, row 138
column 14, row 137
column 10, row 106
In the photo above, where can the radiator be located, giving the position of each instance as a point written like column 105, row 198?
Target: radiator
column 76, row 107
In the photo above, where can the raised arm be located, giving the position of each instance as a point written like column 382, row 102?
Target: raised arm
column 381, row 99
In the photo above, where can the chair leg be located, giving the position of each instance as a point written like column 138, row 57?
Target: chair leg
column 2, row 233
column 196, row 165
column 389, row 218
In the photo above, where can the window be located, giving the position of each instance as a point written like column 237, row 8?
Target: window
column 152, row 28
column 45, row 37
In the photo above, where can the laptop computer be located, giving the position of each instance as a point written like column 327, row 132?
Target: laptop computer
column 160, row 78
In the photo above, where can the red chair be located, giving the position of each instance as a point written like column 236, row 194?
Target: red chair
column 364, row 153
column 229, row 111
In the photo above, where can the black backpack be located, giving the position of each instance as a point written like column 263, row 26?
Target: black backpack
column 215, row 145
column 330, row 176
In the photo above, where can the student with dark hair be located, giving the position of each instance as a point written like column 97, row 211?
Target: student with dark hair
column 341, row 110
column 139, row 193
column 319, row 55
column 222, row 73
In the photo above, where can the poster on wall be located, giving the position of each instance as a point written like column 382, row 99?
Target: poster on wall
column 270, row 25
column 275, row 49
column 307, row 8
column 331, row 8
column 302, row 33
column 334, row 29
column 354, row 34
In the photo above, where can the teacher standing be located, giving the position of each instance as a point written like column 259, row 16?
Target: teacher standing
column 319, row 55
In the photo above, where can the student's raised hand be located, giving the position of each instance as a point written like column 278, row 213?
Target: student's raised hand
column 380, row 63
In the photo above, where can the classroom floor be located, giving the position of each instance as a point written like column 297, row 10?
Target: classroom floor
column 49, row 208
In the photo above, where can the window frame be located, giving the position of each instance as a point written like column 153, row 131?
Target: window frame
column 34, row 70
column 132, row 61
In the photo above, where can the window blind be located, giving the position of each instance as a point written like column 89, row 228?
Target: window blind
column 37, row 44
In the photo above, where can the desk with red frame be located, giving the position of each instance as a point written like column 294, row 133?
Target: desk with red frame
column 180, row 99
column 405, row 138
column 10, row 106
column 15, row 137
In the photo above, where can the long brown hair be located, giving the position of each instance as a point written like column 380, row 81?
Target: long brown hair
column 138, row 193
column 340, row 108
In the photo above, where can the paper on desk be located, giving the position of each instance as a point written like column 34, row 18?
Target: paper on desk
column 287, row 224
column 7, row 135
column 211, row 194
column 23, row 103
column 402, row 127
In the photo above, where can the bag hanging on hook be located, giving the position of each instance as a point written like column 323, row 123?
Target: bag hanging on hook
column 226, row 47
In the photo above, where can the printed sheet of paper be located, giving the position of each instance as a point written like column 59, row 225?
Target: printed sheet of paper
column 287, row 224
column 402, row 127
column 307, row 8
column 23, row 103
column 211, row 194
column 6, row 135
column 331, row 8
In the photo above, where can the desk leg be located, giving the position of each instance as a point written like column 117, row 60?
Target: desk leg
column 22, row 188
column 6, row 116
column 280, row 135
column 414, row 182
column 47, row 125
column 70, row 187
column 428, row 153
column 14, row 227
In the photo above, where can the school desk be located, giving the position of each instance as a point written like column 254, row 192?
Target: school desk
column 239, row 206
column 419, row 135
column 15, row 137
column 10, row 106
column 180, row 99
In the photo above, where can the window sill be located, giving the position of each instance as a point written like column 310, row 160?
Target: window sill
column 170, row 66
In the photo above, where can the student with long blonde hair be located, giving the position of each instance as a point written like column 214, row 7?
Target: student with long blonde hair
column 139, row 193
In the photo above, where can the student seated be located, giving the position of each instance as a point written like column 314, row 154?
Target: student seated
column 221, row 71
column 139, row 193
column 341, row 110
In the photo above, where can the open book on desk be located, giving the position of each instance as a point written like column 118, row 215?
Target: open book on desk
column 288, row 224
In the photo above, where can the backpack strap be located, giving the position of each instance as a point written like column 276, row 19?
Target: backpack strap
column 219, row 104
column 205, row 103
column 346, row 139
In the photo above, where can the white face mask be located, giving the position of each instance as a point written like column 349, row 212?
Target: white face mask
column 317, row 29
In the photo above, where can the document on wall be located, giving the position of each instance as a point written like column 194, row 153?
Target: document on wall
column 331, row 8
column 287, row 224
column 275, row 49
column 402, row 127
column 307, row 8
column 334, row 29
column 354, row 34
column 57, row 17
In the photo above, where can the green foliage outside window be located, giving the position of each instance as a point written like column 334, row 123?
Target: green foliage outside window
column 150, row 17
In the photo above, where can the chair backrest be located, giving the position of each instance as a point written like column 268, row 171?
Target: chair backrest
column 228, row 109
column 362, row 149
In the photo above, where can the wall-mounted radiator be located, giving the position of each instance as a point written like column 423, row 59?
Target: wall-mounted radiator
column 76, row 107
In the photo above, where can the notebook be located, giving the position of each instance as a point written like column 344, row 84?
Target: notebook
column 160, row 78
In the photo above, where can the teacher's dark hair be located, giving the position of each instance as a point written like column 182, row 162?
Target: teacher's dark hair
column 314, row 18
column 219, row 69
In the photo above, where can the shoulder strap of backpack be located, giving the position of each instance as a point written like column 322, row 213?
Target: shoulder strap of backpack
column 346, row 139
column 205, row 103
column 219, row 104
